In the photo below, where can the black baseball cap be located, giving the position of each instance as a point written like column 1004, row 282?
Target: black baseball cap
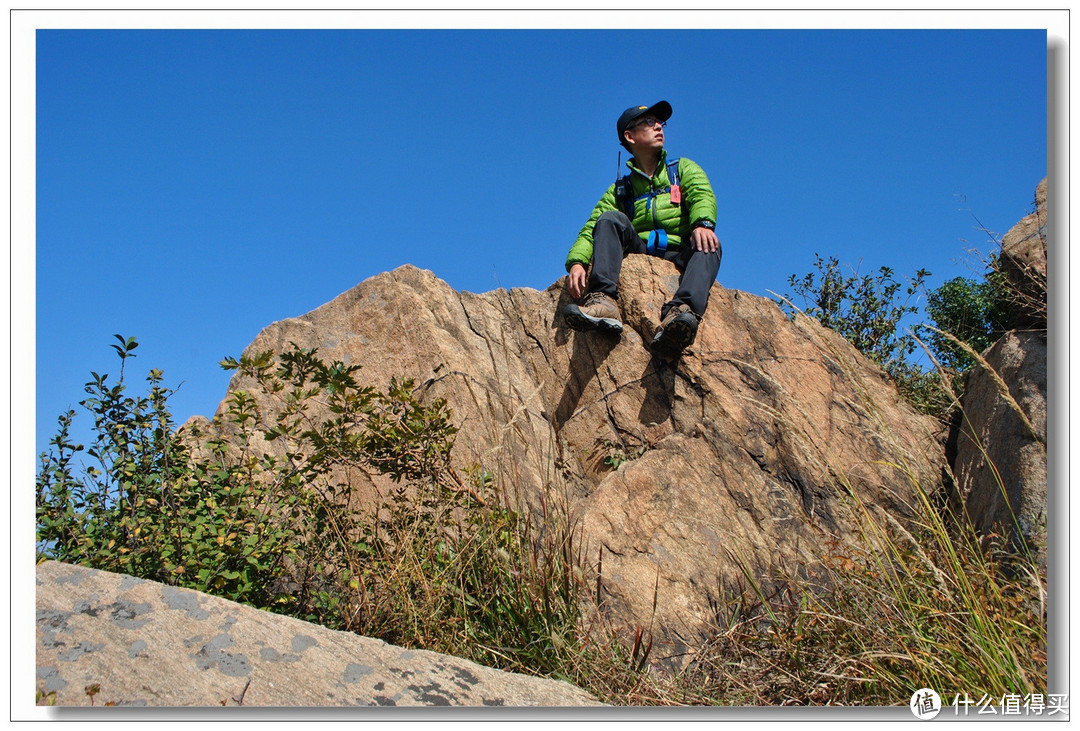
column 660, row 110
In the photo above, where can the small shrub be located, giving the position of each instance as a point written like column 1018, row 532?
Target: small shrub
column 865, row 309
column 976, row 313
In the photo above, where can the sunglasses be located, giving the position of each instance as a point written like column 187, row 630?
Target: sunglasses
column 648, row 122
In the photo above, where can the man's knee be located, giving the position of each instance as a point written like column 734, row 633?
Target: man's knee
column 614, row 229
column 615, row 224
column 694, row 258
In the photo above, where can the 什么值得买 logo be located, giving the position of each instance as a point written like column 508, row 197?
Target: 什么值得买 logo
column 925, row 703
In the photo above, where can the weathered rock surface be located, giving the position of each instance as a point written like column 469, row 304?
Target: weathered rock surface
column 1000, row 465
column 1023, row 259
column 1001, row 454
column 745, row 452
column 147, row 644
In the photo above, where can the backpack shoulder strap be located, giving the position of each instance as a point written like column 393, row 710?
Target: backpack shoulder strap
column 673, row 172
column 673, row 181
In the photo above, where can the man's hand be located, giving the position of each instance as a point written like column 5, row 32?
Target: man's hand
column 704, row 239
column 578, row 281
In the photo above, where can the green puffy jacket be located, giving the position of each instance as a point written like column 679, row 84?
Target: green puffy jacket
column 656, row 211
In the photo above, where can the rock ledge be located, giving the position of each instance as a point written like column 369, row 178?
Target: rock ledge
column 148, row 644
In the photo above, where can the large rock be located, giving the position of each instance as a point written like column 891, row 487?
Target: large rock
column 1023, row 259
column 146, row 644
column 1001, row 452
column 1000, row 463
column 747, row 453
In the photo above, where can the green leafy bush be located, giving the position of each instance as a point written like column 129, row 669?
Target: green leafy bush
column 976, row 313
column 865, row 309
column 442, row 563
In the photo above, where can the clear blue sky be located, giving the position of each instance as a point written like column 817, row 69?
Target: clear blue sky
column 195, row 186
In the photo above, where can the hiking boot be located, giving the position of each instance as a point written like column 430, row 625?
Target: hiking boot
column 676, row 333
column 597, row 312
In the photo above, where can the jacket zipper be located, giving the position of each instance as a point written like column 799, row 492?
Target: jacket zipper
column 653, row 193
column 650, row 203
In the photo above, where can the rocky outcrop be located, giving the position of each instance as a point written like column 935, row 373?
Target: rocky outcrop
column 105, row 639
column 1000, row 465
column 1001, row 455
column 1023, row 260
column 751, row 452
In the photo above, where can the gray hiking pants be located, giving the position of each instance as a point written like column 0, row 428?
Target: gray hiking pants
column 614, row 237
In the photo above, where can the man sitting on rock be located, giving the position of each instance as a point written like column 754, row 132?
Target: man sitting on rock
column 663, row 208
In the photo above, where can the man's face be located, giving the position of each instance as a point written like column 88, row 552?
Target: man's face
column 646, row 132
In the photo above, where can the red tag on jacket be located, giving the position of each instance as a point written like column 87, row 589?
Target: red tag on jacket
column 676, row 195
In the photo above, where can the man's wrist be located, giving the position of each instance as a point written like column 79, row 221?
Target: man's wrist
column 705, row 223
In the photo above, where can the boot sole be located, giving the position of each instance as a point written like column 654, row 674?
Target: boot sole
column 673, row 340
column 578, row 320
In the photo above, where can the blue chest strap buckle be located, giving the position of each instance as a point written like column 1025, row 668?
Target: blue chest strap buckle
column 657, row 241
